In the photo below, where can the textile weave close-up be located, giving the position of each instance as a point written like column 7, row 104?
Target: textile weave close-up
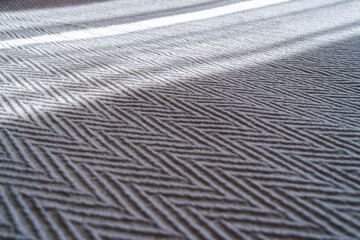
column 191, row 119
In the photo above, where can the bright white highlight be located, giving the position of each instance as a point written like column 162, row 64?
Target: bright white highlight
column 141, row 25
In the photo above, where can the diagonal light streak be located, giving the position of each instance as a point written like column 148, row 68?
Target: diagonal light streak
column 140, row 25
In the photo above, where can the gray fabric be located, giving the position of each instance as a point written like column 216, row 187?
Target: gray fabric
column 244, row 126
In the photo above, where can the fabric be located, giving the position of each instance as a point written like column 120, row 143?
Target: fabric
column 244, row 125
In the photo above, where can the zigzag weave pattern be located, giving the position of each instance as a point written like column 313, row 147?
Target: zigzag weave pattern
column 242, row 126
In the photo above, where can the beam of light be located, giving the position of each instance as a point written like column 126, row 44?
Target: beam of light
column 139, row 26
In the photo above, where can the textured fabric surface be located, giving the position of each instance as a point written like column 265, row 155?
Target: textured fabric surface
column 240, row 126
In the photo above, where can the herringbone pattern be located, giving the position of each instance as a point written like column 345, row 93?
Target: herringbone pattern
column 245, row 126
